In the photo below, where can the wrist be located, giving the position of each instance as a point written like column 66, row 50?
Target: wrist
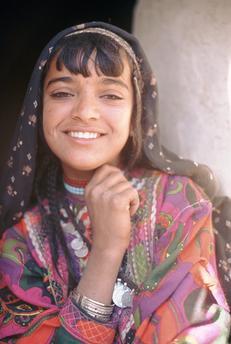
column 99, row 276
column 109, row 254
column 97, row 310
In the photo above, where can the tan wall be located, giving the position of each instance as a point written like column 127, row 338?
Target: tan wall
column 188, row 43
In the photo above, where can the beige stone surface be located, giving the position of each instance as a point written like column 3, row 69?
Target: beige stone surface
column 188, row 43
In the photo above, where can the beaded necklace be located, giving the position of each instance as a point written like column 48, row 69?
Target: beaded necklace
column 76, row 187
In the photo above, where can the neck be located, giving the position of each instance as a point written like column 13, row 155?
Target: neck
column 76, row 174
column 75, row 186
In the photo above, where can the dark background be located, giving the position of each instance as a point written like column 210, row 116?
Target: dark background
column 25, row 29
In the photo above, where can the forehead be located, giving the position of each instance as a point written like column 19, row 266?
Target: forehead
column 93, row 68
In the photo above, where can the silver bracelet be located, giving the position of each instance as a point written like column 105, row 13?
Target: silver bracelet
column 95, row 309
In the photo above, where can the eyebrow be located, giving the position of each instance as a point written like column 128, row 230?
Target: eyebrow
column 105, row 81
column 60, row 79
column 109, row 81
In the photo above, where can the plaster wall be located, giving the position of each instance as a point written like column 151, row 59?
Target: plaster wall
column 188, row 44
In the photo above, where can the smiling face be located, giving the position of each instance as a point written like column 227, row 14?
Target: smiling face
column 86, row 120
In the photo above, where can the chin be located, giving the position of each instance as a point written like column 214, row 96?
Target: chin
column 87, row 167
column 75, row 168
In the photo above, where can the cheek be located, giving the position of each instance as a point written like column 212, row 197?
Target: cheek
column 125, row 121
column 46, row 127
column 121, row 118
column 52, row 116
column 47, row 121
column 51, row 120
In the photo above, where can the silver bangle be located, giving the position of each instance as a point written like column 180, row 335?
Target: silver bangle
column 95, row 309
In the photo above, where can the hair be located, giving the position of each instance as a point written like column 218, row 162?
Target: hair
column 74, row 53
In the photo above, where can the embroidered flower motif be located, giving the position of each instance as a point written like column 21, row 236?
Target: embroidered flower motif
column 17, row 216
column 228, row 223
column 19, row 143
column 32, row 120
column 42, row 64
column 10, row 190
column 12, row 179
column 35, row 103
column 228, row 248
column 29, row 156
column 151, row 145
column 26, row 170
column 154, row 94
column 164, row 219
column 169, row 170
column 10, row 162
column 153, row 81
column 152, row 130
column 224, row 265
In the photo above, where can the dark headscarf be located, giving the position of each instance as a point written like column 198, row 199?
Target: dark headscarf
column 17, row 179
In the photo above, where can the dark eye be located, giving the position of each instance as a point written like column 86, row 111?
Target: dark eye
column 61, row 95
column 112, row 97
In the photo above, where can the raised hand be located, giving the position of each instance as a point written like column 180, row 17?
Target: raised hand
column 111, row 200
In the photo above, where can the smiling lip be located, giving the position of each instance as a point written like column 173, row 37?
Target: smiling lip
column 84, row 135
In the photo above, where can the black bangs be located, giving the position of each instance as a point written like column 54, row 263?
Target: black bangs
column 75, row 51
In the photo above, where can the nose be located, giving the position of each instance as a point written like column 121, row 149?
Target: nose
column 85, row 107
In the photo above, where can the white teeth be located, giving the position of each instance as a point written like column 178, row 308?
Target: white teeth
column 83, row 135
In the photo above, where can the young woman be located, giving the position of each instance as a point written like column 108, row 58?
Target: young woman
column 107, row 238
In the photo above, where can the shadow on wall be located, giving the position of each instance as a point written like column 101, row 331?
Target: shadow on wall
column 26, row 29
column 229, row 87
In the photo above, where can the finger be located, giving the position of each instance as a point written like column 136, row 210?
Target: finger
column 113, row 179
column 134, row 205
column 134, row 200
column 106, row 175
column 118, row 187
column 127, row 199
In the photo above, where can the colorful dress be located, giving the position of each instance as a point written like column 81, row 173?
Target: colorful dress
column 171, row 259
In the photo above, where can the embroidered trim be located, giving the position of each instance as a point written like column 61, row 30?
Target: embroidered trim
column 38, row 245
column 35, row 239
column 153, row 220
column 149, row 236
